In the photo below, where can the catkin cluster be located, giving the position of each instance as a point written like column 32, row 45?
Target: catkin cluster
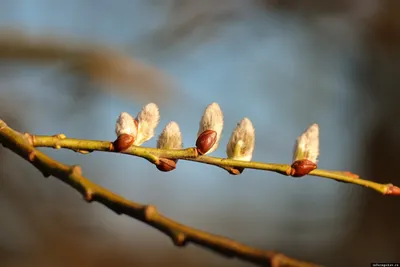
column 136, row 131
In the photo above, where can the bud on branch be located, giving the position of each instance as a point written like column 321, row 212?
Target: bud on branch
column 241, row 143
column 132, row 131
column 170, row 138
column 210, row 129
column 306, row 152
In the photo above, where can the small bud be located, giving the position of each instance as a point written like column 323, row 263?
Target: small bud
column 126, row 130
column 171, row 137
column 126, row 124
column 148, row 119
column 123, row 142
column 213, row 119
column 306, row 152
column 205, row 141
column 166, row 165
column 241, row 143
column 302, row 167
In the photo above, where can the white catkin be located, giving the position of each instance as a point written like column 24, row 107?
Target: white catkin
column 307, row 145
column 148, row 119
column 242, row 141
column 125, row 125
column 212, row 119
column 170, row 137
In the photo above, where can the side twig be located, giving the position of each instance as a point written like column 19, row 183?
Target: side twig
column 179, row 233
column 190, row 154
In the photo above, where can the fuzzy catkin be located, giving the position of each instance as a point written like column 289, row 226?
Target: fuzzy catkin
column 307, row 145
column 212, row 119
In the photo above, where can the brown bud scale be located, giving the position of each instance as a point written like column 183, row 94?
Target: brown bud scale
column 206, row 141
column 166, row 165
column 235, row 171
column 123, row 142
column 302, row 167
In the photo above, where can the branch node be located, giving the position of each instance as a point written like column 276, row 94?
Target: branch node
column 352, row 175
column 31, row 156
column 111, row 147
column 60, row 136
column 195, row 152
column 289, row 171
column 235, row 171
column 82, row 151
column 88, row 196
column 151, row 158
column 179, row 239
column 2, row 125
column 76, row 170
column 30, row 138
column 45, row 174
column 149, row 212
column 277, row 259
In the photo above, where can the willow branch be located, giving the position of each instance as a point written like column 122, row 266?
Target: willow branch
column 190, row 154
column 180, row 234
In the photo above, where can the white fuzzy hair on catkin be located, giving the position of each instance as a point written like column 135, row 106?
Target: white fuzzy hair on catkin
column 125, row 125
column 170, row 137
column 148, row 119
column 241, row 143
column 307, row 145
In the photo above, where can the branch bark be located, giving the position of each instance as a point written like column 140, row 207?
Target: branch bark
column 22, row 144
column 190, row 154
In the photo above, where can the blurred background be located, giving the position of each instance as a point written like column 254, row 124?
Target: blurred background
column 72, row 66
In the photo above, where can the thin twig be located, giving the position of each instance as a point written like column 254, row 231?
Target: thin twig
column 190, row 154
column 179, row 233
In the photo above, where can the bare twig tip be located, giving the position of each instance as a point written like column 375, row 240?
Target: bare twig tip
column 392, row 190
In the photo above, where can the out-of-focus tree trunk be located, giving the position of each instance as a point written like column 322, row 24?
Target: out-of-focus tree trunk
column 377, row 237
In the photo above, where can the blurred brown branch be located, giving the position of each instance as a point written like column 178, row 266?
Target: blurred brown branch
column 125, row 75
column 180, row 234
